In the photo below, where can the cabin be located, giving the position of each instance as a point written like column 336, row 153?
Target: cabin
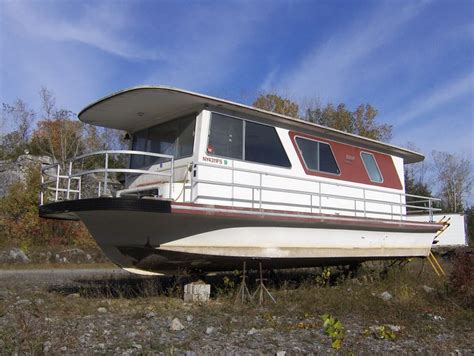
column 211, row 157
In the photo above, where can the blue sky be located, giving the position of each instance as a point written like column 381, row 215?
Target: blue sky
column 412, row 60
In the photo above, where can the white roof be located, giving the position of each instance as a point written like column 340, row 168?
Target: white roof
column 144, row 106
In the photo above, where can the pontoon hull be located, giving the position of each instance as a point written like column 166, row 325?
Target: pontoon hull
column 160, row 236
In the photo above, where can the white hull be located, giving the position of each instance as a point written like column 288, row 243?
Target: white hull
column 213, row 238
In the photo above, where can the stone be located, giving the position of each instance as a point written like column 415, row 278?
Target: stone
column 252, row 331
column 394, row 328
column 197, row 292
column 428, row 289
column 150, row 315
column 74, row 295
column 23, row 302
column 210, row 330
column 39, row 301
column 386, row 296
column 176, row 325
column 16, row 255
column 102, row 310
column 189, row 318
column 46, row 346
column 280, row 353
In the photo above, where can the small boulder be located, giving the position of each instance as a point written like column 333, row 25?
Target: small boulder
column 210, row 330
column 101, row 310
column 176, row 325
column 252, row 331
column 16, row 255
column 386, row 296
column 428, row 289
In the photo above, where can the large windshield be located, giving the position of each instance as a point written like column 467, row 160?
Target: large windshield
column 174, row 138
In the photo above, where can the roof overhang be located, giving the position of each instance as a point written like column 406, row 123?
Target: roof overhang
column 144, row 106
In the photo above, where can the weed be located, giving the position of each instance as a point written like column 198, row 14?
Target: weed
column 334, row 329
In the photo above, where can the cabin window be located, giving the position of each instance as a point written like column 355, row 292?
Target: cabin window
column 263, row 145
column 317, row 156
column 175, row 138
column 225, row 137
column 246, row 140
column 371, row 167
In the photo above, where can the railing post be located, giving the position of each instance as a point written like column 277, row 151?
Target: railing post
column 69, row 180
column 365, row 207
column 171, row 178
column 105, row 171
column 58, row 172
column 80, row 187
column 320, row 199
column 430, row 209
column 401, row 207
column 260, row 193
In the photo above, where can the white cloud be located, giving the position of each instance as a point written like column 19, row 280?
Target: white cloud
column 104, row 26
column 440, row 96
column 334, row 66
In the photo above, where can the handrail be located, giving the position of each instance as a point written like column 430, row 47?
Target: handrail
column 400, row 204
column 76, row 176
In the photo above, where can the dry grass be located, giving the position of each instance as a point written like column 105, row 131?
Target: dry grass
column 430, row 321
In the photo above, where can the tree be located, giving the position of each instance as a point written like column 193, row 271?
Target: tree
column 360, row 122
column 21, row 119
column 453, row 175
column 277, row 104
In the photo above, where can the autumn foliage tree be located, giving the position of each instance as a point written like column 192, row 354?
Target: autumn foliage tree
column 361, row 121
column 277, row 104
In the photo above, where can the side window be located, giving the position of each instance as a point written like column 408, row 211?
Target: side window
column 263, row 145
column 225, row 137
column 317, row 156
column 371, row 167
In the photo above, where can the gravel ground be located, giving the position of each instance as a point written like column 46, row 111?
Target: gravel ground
column 107, row 311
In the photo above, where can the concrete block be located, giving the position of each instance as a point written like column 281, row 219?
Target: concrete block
column 197, row 292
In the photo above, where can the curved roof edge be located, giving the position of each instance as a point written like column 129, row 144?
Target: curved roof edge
column 88, row 116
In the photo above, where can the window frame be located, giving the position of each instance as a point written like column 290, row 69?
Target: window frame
column 244, row 124
column 304, row 161
column 376, row 165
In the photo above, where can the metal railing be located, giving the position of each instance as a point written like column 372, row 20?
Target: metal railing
column 70, row 185
column 401, row 205
column 58, row 186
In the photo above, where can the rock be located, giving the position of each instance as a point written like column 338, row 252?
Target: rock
column 176, row 325
column 280, row 353
column 252, row 331
column 386, row 296
column 39, row 301
column 15, row 255
column 23, row 302
column 74, row 295
column 394, row 328
column 189, row 353
column 63, row 349
column 102, row 310
column 210, row 330
column 137, row 346
column 428, row 289
column 15, row 171
column 189, row 318
column 150, row 315
column 46, row 346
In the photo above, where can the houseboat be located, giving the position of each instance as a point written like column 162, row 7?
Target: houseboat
column 207, row 184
